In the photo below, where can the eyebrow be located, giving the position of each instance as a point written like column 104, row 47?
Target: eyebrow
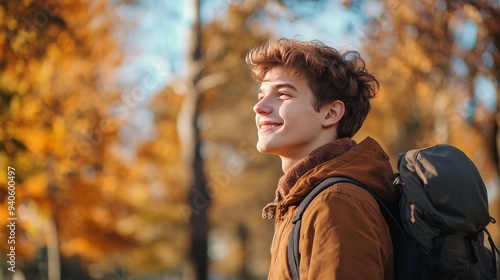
column 280, row 85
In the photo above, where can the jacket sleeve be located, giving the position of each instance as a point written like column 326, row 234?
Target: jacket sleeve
column 344, row 236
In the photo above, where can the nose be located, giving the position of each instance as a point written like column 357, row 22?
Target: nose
column 262, row 107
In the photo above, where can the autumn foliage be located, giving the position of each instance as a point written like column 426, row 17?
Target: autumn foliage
column 92, row 203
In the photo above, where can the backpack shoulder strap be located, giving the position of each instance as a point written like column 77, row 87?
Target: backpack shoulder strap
column 293, row 241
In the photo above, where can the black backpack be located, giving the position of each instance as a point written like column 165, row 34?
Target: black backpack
column 438, row 227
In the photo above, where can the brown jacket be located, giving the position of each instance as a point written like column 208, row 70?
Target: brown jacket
column 343, row 234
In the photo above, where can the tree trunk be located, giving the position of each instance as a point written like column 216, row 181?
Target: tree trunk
column 190, row 139
column 53, row 256
column 199, row 202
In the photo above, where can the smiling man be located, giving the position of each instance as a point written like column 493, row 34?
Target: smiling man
column 311, row 101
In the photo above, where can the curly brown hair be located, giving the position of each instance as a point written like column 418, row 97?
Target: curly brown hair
column 331, row 75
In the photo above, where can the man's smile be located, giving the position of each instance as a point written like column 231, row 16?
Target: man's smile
column 264, row 125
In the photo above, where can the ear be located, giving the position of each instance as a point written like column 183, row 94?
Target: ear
column 333, row 113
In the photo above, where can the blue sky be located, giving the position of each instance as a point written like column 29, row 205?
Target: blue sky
column 155, row 50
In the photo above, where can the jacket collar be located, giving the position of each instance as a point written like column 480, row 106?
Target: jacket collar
column 289, row 179
column 365, row 162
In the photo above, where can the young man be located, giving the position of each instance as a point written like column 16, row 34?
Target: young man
column 312, row 99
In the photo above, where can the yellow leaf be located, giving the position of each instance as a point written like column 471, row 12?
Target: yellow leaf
column 36, row 185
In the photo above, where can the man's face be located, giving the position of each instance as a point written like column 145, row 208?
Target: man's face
column 287, row 123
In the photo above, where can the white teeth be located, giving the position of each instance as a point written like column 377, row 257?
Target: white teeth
column 268, row 125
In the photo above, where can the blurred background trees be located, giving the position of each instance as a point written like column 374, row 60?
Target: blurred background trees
column 115, row 173
column 57, row 78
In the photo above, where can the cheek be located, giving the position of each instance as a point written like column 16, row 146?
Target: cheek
column 299, row 114
column 291, row 113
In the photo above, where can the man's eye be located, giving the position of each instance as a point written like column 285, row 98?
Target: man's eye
column 283, row 94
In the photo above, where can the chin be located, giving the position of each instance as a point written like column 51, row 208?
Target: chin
column 263, row 149
column 267, row 150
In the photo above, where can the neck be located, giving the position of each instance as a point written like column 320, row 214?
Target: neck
column 289, row 159
column 287, row 163
column 295, row 169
